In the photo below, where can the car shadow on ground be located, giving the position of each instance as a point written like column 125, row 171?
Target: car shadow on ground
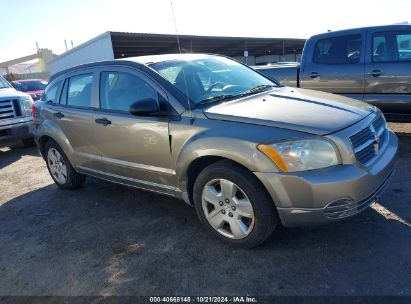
column 14, row 153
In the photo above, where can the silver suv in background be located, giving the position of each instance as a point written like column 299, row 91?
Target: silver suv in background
column 16, row 121
column 246, row 152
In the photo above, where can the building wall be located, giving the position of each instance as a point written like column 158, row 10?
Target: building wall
column 97, row 49
column 252, row 60
column 278, row 58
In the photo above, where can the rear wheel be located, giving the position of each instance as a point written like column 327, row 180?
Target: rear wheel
column 61, row 169
column 233, row 205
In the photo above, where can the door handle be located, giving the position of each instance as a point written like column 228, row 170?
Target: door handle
column 103, row 121
column 58, row 115
column 314, row 75
column 375, row 73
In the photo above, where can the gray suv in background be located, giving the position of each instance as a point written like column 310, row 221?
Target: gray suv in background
column 246, row 152
column 16, row 121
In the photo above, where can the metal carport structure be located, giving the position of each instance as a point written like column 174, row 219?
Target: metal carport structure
column 114, row 45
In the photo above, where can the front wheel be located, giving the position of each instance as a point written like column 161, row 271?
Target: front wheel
column 61, row 169
column 233, row 204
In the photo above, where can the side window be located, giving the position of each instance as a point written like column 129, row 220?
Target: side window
column 50, row 93
column 338, row 50
column 404, row 46
column 391, row 46
column 119, row 90
column 79, row 90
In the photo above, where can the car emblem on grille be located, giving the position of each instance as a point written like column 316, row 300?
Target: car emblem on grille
column 376, row 139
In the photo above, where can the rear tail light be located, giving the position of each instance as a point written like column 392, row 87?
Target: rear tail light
column 33, row 110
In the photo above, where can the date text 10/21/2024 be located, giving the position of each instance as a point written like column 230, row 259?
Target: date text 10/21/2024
column 205, row 299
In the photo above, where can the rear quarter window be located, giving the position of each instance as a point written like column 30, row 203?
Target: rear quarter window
column 50, row 94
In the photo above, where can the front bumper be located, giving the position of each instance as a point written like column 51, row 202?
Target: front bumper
column 330, row 194
column 18, row 129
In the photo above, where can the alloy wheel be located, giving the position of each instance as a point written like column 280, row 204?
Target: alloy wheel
column 57, row 166
column 227, row 208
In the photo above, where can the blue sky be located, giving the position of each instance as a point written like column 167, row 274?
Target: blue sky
column 49, row 22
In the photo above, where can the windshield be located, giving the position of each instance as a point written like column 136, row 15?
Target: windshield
column 28, row 86
column 3, row 83
column 212, row 78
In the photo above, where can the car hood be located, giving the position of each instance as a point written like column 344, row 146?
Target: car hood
column 295, row 109
column 11, row 93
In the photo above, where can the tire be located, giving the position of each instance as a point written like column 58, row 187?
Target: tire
column 28, row 142
column 230, row 217
column 60, row 167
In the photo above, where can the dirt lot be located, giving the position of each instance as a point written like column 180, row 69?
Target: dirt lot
column 106, row 239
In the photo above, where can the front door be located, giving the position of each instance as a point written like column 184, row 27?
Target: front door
column 388, row 71
column 134, row 150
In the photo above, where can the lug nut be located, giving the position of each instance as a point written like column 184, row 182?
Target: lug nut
column 221, row 203
column 223, row 211
column 230, row 214
column 233, row 208
column 227, row 200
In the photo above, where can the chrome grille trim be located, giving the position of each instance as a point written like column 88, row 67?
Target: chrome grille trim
column 7, row 110
column 369, row 141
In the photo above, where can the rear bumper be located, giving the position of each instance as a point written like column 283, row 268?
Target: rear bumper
column 11, row 133
column 331, row 194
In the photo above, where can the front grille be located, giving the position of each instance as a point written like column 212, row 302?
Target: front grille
column 368, row 142
column 7, row 109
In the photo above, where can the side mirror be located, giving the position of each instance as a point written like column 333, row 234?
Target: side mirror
column 144, row 107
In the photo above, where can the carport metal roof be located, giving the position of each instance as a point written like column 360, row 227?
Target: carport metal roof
column 137, row 44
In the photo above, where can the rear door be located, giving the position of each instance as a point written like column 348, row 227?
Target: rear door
column 388, row 71
column 134, row 150
column 73, row 112
column 335, row 65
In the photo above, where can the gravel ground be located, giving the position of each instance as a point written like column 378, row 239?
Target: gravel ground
column 106, row 239
column 403, row 129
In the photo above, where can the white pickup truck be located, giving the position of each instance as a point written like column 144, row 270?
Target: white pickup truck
column 15, row 115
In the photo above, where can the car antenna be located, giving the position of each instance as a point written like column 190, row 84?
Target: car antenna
column 183, row 70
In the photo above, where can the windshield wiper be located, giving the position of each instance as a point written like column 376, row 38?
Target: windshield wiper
column 254, row 90
column 216, row 98
column 257, row 89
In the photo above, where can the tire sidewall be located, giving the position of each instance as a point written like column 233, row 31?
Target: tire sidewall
column 53, row 145
column 263, row 206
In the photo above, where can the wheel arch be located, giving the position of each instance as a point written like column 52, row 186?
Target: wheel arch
column 196, row 154
column 49, row 130
column 199, row 164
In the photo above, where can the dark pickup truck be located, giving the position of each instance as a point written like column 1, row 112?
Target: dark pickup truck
column 371, row 64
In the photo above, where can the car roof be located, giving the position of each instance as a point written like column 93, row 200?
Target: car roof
column 374, row 28
column 150, row 59
column 136, row 61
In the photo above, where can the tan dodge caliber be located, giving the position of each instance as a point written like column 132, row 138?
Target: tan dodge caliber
column 246, row 152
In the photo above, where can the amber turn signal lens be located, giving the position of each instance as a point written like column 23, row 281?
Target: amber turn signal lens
column 274, row 156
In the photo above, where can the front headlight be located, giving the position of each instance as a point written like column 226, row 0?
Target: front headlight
column 301, row 155
column 26, row 103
